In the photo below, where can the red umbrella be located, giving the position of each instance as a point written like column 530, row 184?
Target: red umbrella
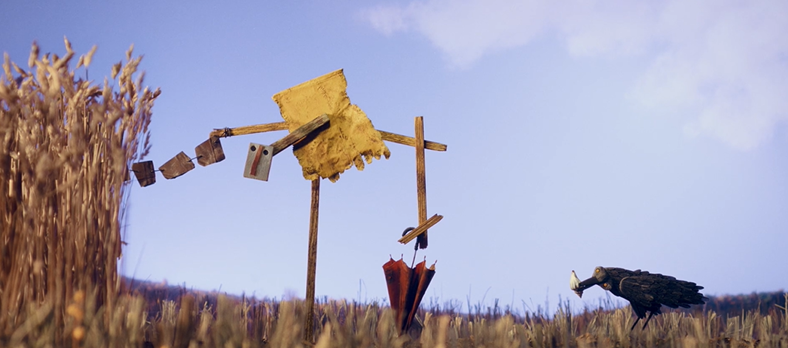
column 406, row 288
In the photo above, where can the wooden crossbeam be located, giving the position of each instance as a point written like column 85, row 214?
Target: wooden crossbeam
column 410, row 141
column 278, row 126
column 421, row 229
column 244, row 130
column 299, row 133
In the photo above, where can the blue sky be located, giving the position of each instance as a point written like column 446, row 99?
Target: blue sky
column 645, row 135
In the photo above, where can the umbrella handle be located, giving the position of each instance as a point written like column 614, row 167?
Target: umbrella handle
column 415, row 246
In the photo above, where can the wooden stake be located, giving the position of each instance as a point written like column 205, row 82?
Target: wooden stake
column 421, row 180
column 312, row 263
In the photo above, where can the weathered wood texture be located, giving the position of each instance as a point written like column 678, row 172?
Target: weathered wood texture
column 420, row 229
column 299, row 133
column 258, row 152
column 258, row 162
column 409, row 141
column 258, row 128
column 144, row 172
column 177, row 166
column 421, row 180
column 309, row 324
column 209, row 151
column 270, row 127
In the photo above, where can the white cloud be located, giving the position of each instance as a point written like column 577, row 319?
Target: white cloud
column 726, row 60
column 387, row 20
column 465, row 30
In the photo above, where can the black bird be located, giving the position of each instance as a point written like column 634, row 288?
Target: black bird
column 645, row 291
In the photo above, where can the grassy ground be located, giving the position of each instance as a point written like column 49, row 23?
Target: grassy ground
column 211, row 320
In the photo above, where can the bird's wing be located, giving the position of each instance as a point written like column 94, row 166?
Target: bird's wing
column 653, row 290
column 638, row 289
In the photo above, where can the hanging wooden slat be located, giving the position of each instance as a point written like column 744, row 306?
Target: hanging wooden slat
column 209, row 151
column 258, row 162
column 177, row 166
column 144, row 172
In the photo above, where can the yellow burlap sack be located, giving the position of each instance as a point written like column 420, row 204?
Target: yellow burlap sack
column 350, row 135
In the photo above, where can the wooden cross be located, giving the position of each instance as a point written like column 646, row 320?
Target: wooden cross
column 419, row 233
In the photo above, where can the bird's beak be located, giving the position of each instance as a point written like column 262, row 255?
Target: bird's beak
column 589, row 283
column 574, row 284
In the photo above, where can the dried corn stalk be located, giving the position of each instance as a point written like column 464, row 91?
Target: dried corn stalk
column 66, row 147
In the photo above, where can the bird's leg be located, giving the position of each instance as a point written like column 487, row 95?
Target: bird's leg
column 647, row 319
column 635, row 323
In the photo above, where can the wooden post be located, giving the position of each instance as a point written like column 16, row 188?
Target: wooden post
column 421, row 180
column 312, row 263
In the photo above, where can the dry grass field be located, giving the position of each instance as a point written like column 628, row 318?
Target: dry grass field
column 197, row 319
column 67, row 146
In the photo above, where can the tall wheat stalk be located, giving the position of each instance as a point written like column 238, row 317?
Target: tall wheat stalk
column 66, row 147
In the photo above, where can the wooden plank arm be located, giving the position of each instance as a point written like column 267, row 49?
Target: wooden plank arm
column 410, row 141
column 258, row 128
column 298, row 134
column 421, row 229
column 270, row 127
